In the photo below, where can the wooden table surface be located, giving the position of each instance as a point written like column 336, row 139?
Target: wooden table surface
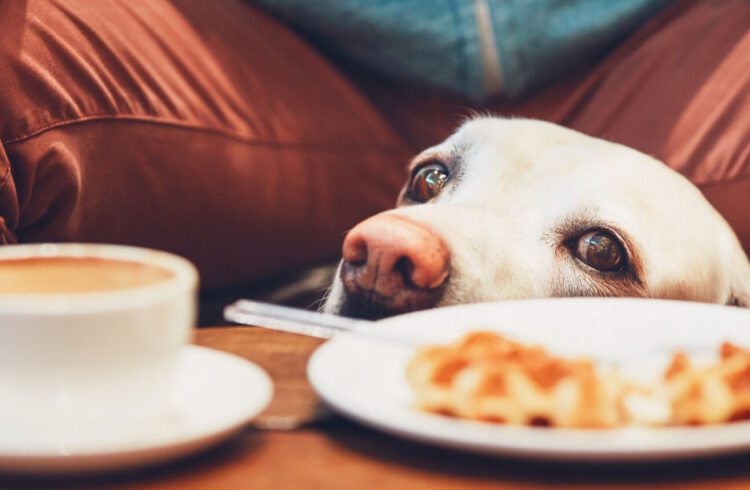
column 297, row 444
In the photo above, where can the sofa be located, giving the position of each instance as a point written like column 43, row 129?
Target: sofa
column 216, row 131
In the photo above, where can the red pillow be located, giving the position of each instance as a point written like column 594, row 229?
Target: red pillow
column 209, row 130
column 678, row 89
column 212, row 131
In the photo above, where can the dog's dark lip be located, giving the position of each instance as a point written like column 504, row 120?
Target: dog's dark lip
column 369, row 305
column 359, row 307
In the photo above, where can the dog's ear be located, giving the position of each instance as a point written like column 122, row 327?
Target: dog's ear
column 742, row 300
column 740, row 293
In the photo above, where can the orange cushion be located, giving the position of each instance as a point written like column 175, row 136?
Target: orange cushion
column 678, row 89
column 210, row 130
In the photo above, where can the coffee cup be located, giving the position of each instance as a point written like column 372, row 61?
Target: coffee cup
column 90, row 335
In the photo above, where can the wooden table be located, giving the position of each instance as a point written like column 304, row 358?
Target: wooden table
column 296, row 445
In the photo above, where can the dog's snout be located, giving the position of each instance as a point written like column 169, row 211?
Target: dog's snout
column 400, row 261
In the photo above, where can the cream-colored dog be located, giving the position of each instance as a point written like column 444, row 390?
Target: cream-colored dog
column 517, row 208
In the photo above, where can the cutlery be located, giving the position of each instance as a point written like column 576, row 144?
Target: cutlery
column 304, row 322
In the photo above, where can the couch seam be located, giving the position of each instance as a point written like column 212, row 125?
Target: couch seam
column 197, row 127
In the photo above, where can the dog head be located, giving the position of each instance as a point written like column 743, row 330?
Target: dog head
column 516, row 208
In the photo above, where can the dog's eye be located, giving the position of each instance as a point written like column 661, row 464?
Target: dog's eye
column 427, row 182
column 601, row 250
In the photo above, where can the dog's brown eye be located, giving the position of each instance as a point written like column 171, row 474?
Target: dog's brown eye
column 601, row 250
column 427, row 182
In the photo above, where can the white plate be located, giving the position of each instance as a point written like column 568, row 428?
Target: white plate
column 215, row 396
column 364, row 379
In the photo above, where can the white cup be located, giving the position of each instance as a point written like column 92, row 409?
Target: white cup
column 83, row 361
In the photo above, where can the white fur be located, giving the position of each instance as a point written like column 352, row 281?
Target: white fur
column 520, row 179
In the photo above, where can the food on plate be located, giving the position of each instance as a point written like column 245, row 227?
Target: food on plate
column 714, row 394
column 488, row 377
column 485, row 376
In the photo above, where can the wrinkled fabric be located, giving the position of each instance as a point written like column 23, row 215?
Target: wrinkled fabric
column 454, row 45
column 677, row 89
column 185, row 126
column 210, row 130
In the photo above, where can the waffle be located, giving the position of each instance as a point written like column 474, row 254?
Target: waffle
column 715, row 394
column 484, row 376
column 487, row 377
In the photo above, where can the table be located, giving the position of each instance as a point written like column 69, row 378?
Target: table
column 298, row 444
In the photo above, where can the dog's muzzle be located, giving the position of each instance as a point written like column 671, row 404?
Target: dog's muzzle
column 392, row 265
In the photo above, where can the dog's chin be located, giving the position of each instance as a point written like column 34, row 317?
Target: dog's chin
column 360, row 306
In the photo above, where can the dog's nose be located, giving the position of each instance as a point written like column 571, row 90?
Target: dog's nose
column 401, row 261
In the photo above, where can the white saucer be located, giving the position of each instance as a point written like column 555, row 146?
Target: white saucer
column 365, row 380
column 216, row 395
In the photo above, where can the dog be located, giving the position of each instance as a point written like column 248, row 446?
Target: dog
column 518, row 208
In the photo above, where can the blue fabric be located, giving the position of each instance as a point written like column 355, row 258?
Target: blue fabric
column 438, row 43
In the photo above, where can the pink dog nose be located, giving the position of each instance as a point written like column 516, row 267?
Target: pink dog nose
column 395, row 261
